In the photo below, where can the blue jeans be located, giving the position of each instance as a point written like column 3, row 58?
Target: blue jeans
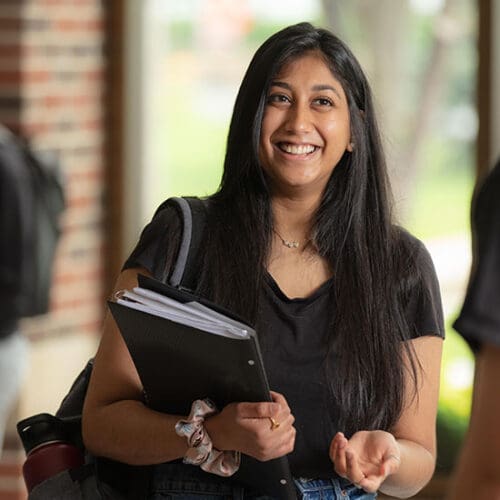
column 330, row 489
column 178, row 482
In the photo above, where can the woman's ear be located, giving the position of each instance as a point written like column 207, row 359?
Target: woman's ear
column 350, row 147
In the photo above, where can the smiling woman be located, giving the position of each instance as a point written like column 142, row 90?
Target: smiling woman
column 299, row 241
column 305, row 128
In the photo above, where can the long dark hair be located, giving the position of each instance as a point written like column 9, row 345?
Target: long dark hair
column 353, row 231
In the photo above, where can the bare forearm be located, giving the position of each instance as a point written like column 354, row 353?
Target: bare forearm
column 475, row 486
column 477, row 472
column 415, row 471
column 129, row 432
column 476, row 475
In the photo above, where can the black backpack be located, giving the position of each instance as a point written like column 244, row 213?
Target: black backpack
column 103, row 478
column 31, row 202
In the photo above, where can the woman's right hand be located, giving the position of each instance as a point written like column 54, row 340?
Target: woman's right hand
column 247, row 427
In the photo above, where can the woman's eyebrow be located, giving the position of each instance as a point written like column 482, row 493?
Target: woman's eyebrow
column 277, row 83
column 320, row 87
column 315, row 88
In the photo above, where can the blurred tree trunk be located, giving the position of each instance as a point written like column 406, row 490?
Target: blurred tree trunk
column 432, row 83
column 377, row 32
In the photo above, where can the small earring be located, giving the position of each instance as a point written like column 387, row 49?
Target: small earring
column 350, row 147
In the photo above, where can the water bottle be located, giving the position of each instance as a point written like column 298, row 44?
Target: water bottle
column 49, row 445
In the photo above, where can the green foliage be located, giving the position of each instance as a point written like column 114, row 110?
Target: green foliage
column 191, row 146
column 441, row 200
column 450, row 432
column 180, row 35
column 458, row 362
column 455, row 398
column 261, row 31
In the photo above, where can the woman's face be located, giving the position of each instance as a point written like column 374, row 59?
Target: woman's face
column 305, row 128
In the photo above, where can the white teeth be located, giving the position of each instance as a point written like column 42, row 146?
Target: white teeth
column 297, row 150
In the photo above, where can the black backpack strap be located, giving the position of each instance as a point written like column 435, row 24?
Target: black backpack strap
column 193, row 213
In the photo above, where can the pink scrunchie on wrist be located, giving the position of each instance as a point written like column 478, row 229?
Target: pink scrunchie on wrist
column 200, row 449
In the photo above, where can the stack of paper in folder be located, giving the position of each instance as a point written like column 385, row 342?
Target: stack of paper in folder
column 186, row 348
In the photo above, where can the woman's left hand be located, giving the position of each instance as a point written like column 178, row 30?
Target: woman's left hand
column 366, row 459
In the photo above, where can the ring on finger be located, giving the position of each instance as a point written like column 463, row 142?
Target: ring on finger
column 274, row 423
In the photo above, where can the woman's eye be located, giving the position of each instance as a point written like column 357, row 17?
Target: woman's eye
column 323, row 101
column 278, row 98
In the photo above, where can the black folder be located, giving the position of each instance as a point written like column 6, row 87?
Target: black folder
column 178, row 363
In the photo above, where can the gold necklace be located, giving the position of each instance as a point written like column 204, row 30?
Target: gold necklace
column 287, row 243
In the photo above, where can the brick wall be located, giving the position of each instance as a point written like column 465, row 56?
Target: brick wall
column 52, row 82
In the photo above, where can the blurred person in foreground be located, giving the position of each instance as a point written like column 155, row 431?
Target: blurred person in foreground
column 477, row 474
column 14, row 223
column 300, row 241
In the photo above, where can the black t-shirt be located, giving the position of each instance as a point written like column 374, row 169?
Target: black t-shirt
column 292, row 334
column 479, row 319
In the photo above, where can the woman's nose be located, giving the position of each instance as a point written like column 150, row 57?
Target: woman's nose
column 299, row 118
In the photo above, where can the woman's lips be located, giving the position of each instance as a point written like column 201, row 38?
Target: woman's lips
column 297, row 149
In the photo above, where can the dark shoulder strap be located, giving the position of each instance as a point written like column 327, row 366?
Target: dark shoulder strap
column 193, row 213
